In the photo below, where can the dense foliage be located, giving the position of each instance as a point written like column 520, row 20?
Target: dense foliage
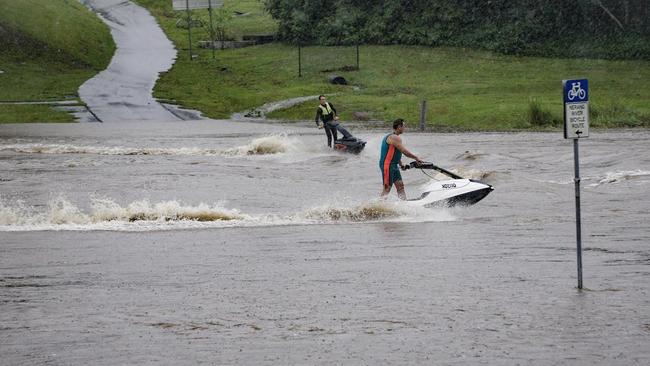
column 578, row 28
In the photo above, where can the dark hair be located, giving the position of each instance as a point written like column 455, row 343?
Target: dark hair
column 320, row 96
column 398, row 122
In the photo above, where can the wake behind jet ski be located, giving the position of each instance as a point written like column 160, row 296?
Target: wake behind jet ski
column 451, row 192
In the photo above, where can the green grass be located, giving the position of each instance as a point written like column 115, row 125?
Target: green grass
column 464, row 89
column 256, row 20
column 39, row 80
column 62, row 30
column 31, row 113
column 47, row 50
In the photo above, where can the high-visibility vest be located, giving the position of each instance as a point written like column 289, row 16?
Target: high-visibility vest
column 326, row 109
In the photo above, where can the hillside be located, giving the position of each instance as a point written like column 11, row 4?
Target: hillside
column 465, row 89
column 47, row 50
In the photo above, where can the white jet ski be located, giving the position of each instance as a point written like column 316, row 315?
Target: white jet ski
column 451, row 192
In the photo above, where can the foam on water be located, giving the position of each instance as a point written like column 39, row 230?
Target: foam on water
column 61, row 214
column 470, row 155
column 621, row 176
column 478, row 174
column 559, row 182
column 143, row 210
column 376, row 210
column 373, row 210
column 142, row 215
column 609, row 178
column 267, row 145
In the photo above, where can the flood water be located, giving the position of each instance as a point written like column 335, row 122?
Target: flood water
column 217, row 242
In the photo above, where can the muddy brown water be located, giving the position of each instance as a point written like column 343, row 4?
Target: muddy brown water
column 235, row 244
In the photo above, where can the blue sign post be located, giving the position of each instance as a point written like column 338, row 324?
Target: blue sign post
column 576, row 108
column 576, row 126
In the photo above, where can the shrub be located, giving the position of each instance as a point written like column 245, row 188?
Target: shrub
column 538, row 117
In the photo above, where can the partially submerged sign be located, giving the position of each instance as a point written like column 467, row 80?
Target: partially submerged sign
column 196, row 4
column 576, row 108
column 576, row 126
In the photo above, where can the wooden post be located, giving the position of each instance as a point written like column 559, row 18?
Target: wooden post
column 189, row 25
column 211, row 28
column 357, row 57
column 423, row 115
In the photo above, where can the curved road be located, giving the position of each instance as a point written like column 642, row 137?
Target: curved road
column 122, row 92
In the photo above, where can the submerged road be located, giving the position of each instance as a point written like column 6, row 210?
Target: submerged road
column 203, row 243
column 123, row 92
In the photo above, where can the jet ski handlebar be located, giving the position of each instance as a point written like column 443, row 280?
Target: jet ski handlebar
column 427, row 165
column 422, row 165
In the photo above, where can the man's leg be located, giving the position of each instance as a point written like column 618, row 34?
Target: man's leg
column 335, row 134
column 346, row 134
column 399, row 185
column 328, row 132
column 386, row 190
column 386, row 181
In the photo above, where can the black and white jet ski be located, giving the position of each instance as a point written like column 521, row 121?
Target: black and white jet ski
column 451, row 192
column 347, row 143
column 350, row 145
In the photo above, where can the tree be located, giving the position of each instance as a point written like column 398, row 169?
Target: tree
column 605, row 28
column 221, row 18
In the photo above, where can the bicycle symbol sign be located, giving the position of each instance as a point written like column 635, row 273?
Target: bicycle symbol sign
column 576, row 91
column 576, row 108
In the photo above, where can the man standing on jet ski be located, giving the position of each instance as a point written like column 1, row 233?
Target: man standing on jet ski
column 390, row 159
column 327, row 114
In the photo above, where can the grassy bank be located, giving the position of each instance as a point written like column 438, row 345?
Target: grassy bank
column 464, row 89
column 47, row 50
column 253, row 19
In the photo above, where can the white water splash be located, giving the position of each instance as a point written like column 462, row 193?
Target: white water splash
column 142, row 215
column 621, row 176
column 275, row 144
column 478, row 174
column 373, row 210
column 376, row 210
column 60, row 213
column 559, row 182
column 267, row 145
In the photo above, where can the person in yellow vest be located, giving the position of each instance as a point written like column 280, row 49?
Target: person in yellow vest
column 327, row 114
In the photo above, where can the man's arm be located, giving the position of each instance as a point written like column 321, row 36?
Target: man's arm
column 397, row 142
column 319, row 115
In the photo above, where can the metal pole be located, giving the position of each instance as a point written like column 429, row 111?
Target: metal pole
column 189, row 25
column 211, row 28
column 299, row 62
column 578, row 225
column 423, row 115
